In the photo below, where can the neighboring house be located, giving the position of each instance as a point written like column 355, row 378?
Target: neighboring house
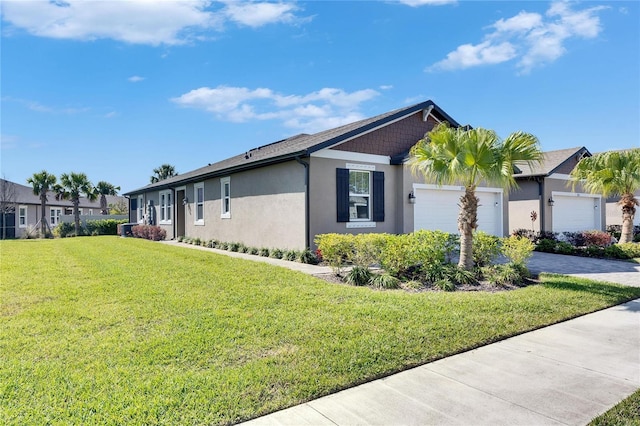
column 547, row 190
column 349, row 179
column 27, row 208
column 614, row 211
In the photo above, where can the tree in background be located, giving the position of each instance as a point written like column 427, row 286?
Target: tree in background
column 613, row 173
column 103, row 189
column 469, row 157
column 42, row 183
column 120, row 207
column 72, row 186
column 163, row 172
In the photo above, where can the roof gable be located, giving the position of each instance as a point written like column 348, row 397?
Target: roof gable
column 559, row 161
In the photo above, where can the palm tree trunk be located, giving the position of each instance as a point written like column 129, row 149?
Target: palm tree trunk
column 628, row 203
column 467, row 223
column 76, row 215
column 43, row 215
column 103, row 205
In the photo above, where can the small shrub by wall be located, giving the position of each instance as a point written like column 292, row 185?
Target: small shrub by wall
column 150, row 232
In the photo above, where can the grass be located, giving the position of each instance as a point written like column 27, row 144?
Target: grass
column 626, row 413
column 105, row 330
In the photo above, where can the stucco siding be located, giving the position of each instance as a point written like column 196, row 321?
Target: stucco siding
column 323, row 204
column 520, row 215
column 267, row 208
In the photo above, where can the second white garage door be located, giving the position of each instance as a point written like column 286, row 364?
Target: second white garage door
column 575, row 212
column 437, row 208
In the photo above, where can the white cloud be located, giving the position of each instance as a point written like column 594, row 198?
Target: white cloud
column 259, row 14
column 135, row 79
column 417, row 3
column 169, row 22
column 38, row 107
column 531, row 38
column 312, row 112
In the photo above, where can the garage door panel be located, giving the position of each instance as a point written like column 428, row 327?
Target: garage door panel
column 438, row 209
column 574, row 214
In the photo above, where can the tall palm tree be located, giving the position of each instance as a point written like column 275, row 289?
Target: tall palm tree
column 103, row 189
column 72, row 186
column 469, row 157
column 42, row 183
column 163, row 172
column 613, row 173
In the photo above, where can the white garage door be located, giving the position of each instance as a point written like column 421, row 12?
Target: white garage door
column 573, row 213
column 438, row 208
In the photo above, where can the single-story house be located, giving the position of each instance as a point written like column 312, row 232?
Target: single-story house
column 546, row 190
column 24, row 208
column 349, row 179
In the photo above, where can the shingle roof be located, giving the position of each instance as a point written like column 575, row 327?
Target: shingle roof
column 296, row 146
column 551, row 161
column 24, row 195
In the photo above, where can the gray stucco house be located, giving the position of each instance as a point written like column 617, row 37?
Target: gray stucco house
column 547, row 190
column 26, row 208
column 349, row 179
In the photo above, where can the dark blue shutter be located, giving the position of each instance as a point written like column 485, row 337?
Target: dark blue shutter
column 342, row 194
column 134, row 204
column 378, row 196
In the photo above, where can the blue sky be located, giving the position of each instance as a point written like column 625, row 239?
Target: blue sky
column 116, row 88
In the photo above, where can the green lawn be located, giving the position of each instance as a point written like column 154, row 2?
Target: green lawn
column 626, row 413
column 106, row 330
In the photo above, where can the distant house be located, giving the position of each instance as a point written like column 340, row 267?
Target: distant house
column 546, row 190
column 26, row 208
column 349, row 179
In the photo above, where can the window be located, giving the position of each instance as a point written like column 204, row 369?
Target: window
column 90, row 212
column 360, row 196
column 225, row 197
column 55, row 216
column 68, row 210
column 22, row 216
column 165, row 207
column 140, row 209
column 198, row 196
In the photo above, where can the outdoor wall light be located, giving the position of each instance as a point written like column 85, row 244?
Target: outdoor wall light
column 412, row 198
column 185, row 201
column 550, row 201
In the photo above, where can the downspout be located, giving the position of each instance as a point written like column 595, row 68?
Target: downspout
column 540, row 181
column 307, row 215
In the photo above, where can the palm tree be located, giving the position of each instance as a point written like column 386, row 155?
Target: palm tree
column 613, row 173
column 42, row 183
column 468, row 157
column 103, row 189
column 71, row 188
column 163, row 172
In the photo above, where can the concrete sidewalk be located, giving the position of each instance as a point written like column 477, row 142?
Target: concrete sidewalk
column 564, row 374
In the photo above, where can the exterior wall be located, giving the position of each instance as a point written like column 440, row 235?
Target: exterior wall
column 392, row 139
column 520, row 215
column 267, row 208
column 614, row 212
column 323, row 204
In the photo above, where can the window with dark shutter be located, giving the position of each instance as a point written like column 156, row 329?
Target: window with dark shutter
column 342, row 194
column 378, row 196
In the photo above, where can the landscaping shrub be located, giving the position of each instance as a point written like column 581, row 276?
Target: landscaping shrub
column 503, row 274
column 307, row 256
column 594, row 251
column 576, row 239
column 518, row 250
column 150, row 232
column 525, row 233
column 563, row 247
column 264, row 252
column 335, row 249
column 254, row 251
column 358, row 275
column 404, row 255
column 486, row 248
column 291, row 255
column 384, row 281
column 104, row 226
column 596, row 238
column 367, row 249
column 276, row 253
column 632, row 250
column 412, row 285
column 445, row 284
column 233, row 247
column 546, row 245
column 64, row 229
column 616, row 230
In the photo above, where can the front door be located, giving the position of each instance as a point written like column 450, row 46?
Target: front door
column 180, row 206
